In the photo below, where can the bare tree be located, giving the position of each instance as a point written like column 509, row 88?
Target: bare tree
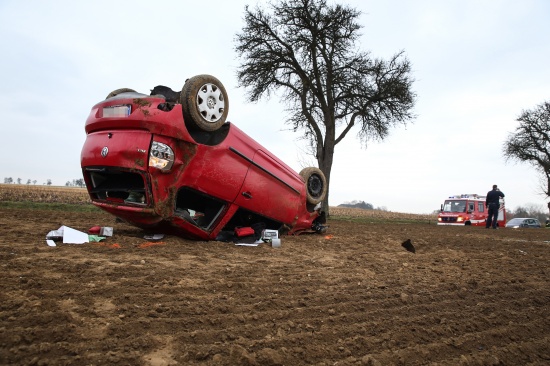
column 306, row 49
column 530, row 142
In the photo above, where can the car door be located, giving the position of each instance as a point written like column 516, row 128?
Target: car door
column 271, row 189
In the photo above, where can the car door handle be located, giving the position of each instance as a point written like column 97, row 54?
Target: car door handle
column 247, row 194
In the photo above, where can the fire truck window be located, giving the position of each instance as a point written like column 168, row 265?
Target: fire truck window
column 471, row 206
column 454, row 206
column 480, row 207
column 459, row 206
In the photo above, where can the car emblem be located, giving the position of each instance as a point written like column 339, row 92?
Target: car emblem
column 104, row 151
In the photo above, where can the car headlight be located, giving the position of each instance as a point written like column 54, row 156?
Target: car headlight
column 161, row 156
column 460, row 219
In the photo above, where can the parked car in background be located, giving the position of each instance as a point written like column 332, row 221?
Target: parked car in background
column 518, row 222
column 170, row 162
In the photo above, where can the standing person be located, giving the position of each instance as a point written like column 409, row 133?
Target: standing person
column 493, row 204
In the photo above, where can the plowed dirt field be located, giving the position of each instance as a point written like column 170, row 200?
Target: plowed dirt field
column 468, row 296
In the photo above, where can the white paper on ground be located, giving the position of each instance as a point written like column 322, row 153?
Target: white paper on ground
column 255, row 244
column 154, row 237
column 72, row 236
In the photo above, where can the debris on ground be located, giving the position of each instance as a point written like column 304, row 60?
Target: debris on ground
column 407, row 244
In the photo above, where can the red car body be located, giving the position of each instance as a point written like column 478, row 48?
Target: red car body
column 216, row 180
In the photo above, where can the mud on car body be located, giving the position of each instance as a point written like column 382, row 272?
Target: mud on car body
column 169, row 161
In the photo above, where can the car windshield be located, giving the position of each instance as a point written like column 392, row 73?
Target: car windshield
column 454, row 206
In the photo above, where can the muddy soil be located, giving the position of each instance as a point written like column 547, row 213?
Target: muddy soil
column 468, row 296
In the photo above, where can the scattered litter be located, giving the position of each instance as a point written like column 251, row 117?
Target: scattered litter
column 248, row 244
column 328, row 237
column 150, row 244
column 271, row 237
column 154, row 237
column 68, row 235
column 254, row 234
column 72, row 236
column 102, row 231
column 268, row 234
column 55, row 234
column 106, row 231
column 94, row 230
column 96, row 238
column 244, row 231
column 114, row 245
column 275, row 243
column 522, row 252
column 408, row 245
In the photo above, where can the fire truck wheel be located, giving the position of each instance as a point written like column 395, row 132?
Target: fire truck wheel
column 204, row 103
column 316, row 184
column 114, row 93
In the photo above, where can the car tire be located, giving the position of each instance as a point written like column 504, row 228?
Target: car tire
column 204, row 103
column 316, row 184
column 114, row 93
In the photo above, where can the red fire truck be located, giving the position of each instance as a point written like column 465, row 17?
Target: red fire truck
column 468, row 209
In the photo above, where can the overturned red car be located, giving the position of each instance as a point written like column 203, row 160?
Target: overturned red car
column 170, row 162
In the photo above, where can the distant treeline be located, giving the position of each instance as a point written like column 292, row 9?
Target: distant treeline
column 75, row 183
column 357, row 204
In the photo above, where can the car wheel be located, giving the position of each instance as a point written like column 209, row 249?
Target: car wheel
column 114, row 93
column 316, row 184
column 204, row 103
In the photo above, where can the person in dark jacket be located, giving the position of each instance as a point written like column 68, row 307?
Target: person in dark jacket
column 493, row 204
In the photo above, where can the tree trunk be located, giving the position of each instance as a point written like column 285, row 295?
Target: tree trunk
column 325, row 164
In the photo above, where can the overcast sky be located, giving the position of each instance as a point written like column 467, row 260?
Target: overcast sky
column 477, row 65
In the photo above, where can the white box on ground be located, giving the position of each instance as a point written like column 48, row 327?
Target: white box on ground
column 268, row 234
column 106, row 231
